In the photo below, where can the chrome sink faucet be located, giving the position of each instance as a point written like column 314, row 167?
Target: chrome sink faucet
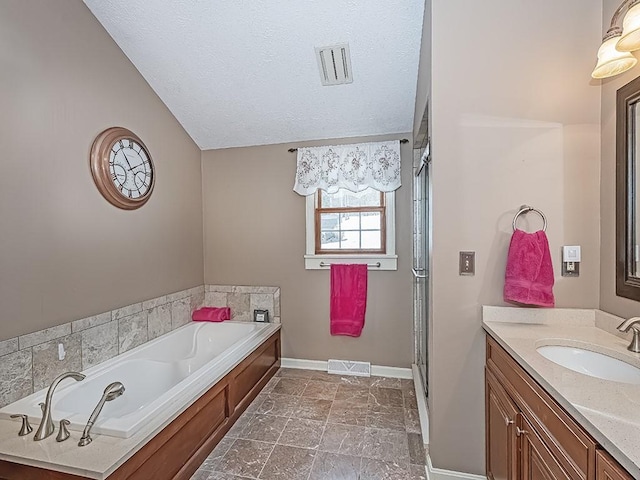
column 634, row 325
column 47, row 427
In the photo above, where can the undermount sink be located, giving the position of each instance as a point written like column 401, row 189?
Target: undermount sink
column 591, row 363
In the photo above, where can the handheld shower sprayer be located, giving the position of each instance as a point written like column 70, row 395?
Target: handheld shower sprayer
column 113, row 391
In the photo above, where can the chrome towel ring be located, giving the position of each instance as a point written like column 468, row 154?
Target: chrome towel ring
column 525, row 209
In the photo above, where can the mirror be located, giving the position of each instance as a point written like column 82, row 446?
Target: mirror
column 628, row 191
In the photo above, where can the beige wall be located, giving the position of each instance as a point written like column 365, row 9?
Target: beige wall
column 609, row 302
column 515, row 120
column 255, row 235
column 65, row 253
column 423, row 87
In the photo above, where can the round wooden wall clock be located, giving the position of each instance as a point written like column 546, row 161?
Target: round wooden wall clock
column 122, row 168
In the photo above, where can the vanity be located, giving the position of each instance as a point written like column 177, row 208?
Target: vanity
column 547, row 421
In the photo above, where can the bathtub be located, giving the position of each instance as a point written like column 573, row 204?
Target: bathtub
column 159, row 376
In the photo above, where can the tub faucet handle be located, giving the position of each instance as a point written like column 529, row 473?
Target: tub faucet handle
column 63, row 434
column 26, row 428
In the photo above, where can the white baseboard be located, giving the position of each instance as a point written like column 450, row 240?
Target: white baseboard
column 303, row 364
column 440, row 474
column 377, row 370
column 423, row 408
column 393, row 372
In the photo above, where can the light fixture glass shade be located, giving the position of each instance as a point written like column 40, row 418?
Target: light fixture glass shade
column 612, row 62
column 630, row 38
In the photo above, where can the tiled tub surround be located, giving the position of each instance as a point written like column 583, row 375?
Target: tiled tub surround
column 607, row 410
column 30, row 362
column 243, row 300
column 310, row 425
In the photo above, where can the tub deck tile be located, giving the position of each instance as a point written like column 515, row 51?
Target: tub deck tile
column 46, row 366
column 99, row 344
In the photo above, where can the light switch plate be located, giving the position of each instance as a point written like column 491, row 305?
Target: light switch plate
column 571, row 257
column 571, row 253
column 467, row 263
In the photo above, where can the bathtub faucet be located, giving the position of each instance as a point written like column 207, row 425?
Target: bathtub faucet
column 47, row 427
column 113, row 391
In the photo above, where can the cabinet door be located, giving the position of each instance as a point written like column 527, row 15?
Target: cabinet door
column 502, row 443
column 537, row 461
column 608, row 469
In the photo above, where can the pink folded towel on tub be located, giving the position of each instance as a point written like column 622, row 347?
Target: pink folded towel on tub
column 348, row 299
column 529, row 274
column 211, row 314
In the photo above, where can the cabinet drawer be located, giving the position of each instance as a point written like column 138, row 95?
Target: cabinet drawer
column 608, row 469
column 569, row 443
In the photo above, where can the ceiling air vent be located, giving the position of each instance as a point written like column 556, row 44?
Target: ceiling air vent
column 335, row 64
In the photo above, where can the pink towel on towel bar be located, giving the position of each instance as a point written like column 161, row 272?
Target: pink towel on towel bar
column 348, row 299
column 211, row 314
column 529, row 274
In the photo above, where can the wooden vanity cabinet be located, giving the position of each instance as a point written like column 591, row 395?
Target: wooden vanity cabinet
column 529, row 436
column 537, row 461
column 502, row 445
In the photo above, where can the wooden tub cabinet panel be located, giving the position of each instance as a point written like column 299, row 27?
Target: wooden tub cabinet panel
column 177, row 451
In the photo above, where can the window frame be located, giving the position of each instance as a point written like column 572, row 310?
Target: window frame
column 320, row 260
column 319, row 210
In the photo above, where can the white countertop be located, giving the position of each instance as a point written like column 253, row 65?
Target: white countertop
column 609, row 411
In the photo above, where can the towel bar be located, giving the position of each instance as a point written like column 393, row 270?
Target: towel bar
column 377, row 264
column 525, row 209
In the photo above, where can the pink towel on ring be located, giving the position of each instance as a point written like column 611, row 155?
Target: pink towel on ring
column 211, row 314
column 529, row 274
column 348, row 299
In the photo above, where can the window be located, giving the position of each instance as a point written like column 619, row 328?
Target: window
column 348, row 222
column 348, row 227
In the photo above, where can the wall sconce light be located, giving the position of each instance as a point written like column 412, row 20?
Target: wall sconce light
column 614, row 55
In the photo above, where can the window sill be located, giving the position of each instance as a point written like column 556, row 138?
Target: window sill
column 387, row 262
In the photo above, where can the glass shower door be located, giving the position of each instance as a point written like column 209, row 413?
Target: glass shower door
column 421, row 258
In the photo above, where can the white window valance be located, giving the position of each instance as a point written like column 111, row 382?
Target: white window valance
column 355, row 167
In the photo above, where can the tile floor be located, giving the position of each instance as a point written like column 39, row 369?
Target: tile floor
column 309, row 425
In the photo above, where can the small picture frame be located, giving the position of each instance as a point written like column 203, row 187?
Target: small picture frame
column 261, row 316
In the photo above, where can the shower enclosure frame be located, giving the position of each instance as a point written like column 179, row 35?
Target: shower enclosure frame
column 422, row 249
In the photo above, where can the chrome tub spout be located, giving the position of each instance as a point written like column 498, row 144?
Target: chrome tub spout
column 47, row 427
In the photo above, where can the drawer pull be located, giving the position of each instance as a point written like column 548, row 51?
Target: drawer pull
column 519, row 432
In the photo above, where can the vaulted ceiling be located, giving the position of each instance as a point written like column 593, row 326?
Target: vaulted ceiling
column 244, row 72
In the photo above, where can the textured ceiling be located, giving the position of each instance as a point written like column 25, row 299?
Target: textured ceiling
column 239, row 73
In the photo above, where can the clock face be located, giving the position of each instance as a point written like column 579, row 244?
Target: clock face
column 130, row 168
column 122, row 168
